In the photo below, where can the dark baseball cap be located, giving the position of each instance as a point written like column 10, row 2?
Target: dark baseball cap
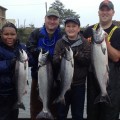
column 73, row 19
column 52, row 12
column 107, row 3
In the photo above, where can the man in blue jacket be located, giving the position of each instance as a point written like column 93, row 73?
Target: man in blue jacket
column 45, row 38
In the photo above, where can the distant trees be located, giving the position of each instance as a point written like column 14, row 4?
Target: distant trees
column 64, row 13
column 23, row 33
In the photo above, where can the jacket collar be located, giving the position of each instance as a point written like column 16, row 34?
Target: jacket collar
column 77, row 43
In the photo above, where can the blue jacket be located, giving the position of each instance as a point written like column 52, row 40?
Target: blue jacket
column 39, row 38
column 7, row 68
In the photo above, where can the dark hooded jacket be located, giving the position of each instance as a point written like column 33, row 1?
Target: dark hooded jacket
column 38, row 39
column 81, row 50
column 7, row 67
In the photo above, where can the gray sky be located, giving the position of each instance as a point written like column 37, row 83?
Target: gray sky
column 33, row 11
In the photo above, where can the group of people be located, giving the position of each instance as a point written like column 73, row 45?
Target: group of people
column 51, row 38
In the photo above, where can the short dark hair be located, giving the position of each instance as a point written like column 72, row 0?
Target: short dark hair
column 9, row 24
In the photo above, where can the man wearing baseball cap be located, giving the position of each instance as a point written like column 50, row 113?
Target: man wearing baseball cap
column 53, row 12
column 104, row 110
column 106, row 3
column 45, row 38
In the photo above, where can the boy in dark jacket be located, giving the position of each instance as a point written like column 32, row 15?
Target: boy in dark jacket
column 81, row 49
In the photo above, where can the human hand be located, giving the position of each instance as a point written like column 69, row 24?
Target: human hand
column 106, row 37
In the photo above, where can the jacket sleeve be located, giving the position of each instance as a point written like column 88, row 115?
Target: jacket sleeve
column 83, row 56
column 6, row 66
column 31, row 47
column 58, row 53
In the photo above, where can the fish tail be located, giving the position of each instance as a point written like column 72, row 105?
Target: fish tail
column 103, row 99
column 45, row 115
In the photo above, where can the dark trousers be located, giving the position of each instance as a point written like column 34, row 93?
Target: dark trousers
column 111, row 112
column 7, row 108
column 74, row 97
column 103, row 111
column 93, row 110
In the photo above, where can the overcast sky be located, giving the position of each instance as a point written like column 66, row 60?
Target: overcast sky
column 33, row 11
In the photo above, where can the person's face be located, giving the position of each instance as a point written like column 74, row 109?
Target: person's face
column 9, row 36
column 72, row 29
column 51, row 23
column 105, row 14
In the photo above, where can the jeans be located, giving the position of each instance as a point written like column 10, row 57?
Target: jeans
column 74, row 97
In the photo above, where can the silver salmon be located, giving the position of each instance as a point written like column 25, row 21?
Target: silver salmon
column 45, row 82
column 21, row 74
column 100, row 63
column 66, row 74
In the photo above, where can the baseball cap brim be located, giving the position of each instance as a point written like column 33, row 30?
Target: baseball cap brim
column 75, row 20
column 52, row 15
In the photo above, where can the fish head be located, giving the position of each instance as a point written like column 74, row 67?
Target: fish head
column 23, row 56
column 42, row 58
column 98, row 35
column 68, row 54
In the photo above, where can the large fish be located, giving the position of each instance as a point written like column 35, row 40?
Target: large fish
column 66, row 74
column 21, row 75
column 100, row 63
column 45, row 81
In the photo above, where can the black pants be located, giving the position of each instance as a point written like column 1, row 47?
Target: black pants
column 93, row 90
column 112, row 112
column 7, row 108
column 74, row 97
column 104, row 111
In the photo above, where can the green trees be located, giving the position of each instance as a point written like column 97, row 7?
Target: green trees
column 64, row 13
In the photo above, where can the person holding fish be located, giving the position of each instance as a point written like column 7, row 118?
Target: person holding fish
column 105, row 88
column 72, row 55
column 41, row 41
column 9, row 52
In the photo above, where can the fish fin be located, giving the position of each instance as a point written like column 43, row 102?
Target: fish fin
column 59, row 100
column 46, row 53
column 66, row 49
column 59, row 77
column 72, row 63
column 107, row 67
column 45, row 115
column 102, row 99
column 19, row 105
column 27, row 82
column 103, row 49
column 38, row 67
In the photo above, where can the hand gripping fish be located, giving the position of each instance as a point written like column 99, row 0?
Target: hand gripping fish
column 21, row 75
column 45, row 82
column 100, row 63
